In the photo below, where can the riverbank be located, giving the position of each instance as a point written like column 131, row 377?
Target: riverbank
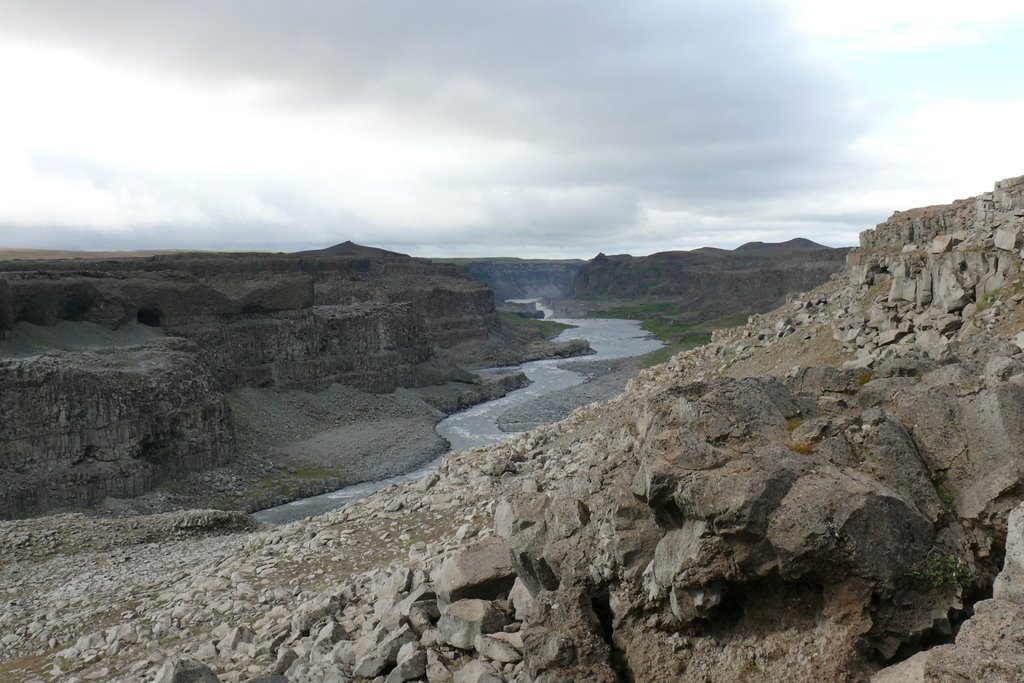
column 296, row 444
column 602, row 380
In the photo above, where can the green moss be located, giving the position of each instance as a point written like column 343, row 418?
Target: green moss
column 863, row 378
column 662, row 355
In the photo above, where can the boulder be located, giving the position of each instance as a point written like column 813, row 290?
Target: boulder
column 1008, row 239
column 483, row 570
column 461, row 622
column 988, row 647
column 1009, row 585
column 411, row 664
column 185, row 671
column 499, row 647
column 376, row 657
column 477, row 672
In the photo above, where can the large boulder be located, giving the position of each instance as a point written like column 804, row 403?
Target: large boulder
column 185, row 671
column 482, row 570
column 461, row 622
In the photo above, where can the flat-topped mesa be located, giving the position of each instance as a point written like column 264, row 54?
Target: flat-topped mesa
column 1001, row 208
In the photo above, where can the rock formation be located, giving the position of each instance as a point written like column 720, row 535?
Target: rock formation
column 83, row 421
column 516, row 279
column 830, row 492
column 752, row 278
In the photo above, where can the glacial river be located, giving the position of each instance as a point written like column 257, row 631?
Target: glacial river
column 477, row 426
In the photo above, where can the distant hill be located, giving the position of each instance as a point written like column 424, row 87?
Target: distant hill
column 349, row 248
column 794, row 244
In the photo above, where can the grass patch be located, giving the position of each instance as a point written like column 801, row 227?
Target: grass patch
column 548, row 329
column 282, row 482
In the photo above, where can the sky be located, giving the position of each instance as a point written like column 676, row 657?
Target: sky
column 510, row 127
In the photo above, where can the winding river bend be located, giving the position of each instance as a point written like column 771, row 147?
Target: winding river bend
column 477, row 426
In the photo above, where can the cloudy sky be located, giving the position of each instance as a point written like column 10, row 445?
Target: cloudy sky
column 518, row 127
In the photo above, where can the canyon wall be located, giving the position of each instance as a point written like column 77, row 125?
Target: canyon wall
column 514, row 279
column 77, row 427
column 83, row 419
column 751, row 278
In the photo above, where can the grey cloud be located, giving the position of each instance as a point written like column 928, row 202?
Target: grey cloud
column 706, row 104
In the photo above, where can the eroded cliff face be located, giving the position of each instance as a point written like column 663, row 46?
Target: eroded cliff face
column 76, row 428
column 749, row 279
column 88, row 421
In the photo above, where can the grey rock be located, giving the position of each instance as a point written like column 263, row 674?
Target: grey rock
column 1009, row 585
column 1008, row 239
column 482, row 570
column 499, row 648
column 185, row 671
column 461, row 622
column 411, row 664
column 378, row 656
column 477, row 672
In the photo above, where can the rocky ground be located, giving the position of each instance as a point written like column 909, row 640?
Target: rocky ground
column 822, row 494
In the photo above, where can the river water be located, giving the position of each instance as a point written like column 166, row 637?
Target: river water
column 477, row 426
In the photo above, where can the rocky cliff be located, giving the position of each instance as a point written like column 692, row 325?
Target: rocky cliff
column 515, row 279
column 832, row 491
column 754, row 277
column 92, row 407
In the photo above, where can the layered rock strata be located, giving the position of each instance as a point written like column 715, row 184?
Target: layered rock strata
column 752, row 278
column 85, row 420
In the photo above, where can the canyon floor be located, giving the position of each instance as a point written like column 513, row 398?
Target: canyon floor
column 298, row 443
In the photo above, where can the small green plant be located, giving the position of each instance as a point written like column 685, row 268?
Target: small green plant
column 863, row 378
column 988, row 299
column 941, row 568
column 946, row 497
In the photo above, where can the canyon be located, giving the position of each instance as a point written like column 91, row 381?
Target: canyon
column 119, row 374
column 752, row 278
column 830, row 491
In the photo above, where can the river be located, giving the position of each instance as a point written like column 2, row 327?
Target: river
column 476, row 426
